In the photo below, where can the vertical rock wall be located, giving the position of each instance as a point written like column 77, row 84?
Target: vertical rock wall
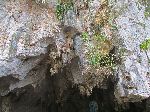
column 44, row 54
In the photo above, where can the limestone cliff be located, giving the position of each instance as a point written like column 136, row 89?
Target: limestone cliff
column 60, row 50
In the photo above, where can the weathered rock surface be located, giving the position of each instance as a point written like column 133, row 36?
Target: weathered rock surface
column 26, row 32
column 133, row 73
column 38, row 62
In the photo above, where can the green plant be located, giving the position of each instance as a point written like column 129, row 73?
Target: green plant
column 97, row 59
column 145, row 45
column 62, row 8
column 85, row 36
column 100, row 37
column 59, row 11
column 99, row 46
column 94, row 58
column 147, row 14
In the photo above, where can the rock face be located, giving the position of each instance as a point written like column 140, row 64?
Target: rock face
column 25, row 37
column 133, row 73
column 45, row 53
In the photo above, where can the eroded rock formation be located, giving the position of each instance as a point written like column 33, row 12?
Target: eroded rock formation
column 54, row 55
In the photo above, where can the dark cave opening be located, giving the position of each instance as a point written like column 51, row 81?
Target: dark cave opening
column 101, row 100
column 50, row 96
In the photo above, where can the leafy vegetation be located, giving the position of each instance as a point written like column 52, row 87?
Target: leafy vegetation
column 99, row 49
column 95, row 58
column 98, row 60
column 100, row 37
column 95, row 55
column 62, row 8
column 146, row 14
column 145, row 45
column 85, row 36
